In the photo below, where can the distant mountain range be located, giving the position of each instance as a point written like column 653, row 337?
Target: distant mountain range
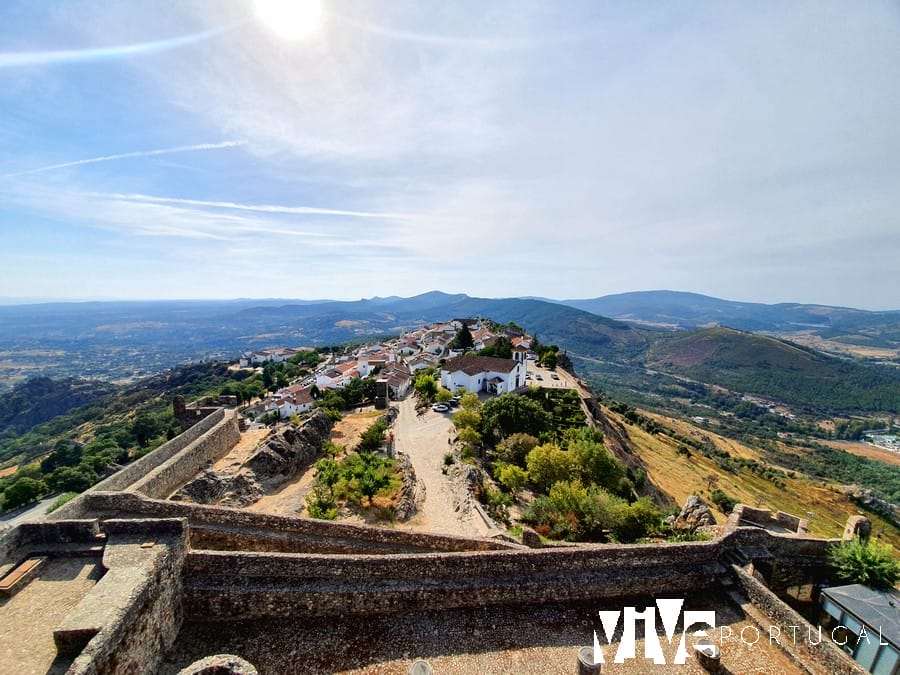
column 677, row 310
column 126, row 340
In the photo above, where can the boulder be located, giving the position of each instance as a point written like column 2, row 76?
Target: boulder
column 220, row 664
column 530, row 538
column 694, row 514
column 857, row 527
column 211, row 487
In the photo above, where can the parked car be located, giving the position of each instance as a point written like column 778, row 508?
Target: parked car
column 539, row 376
column 440, row 407
column 554, row 376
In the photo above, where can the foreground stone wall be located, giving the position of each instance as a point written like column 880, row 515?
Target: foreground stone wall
column 265, row 585
column 135, row 611
column 269, row 585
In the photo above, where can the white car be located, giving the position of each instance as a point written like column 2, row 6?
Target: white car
column 440, row 407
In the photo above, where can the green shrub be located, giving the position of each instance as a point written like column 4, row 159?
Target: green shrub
column 548, row 464
column 321, row 504
column 510, row 476
column 871, row 563
column 725, row 503
column 636, row 520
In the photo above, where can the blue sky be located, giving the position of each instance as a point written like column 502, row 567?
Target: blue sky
column 184, row 149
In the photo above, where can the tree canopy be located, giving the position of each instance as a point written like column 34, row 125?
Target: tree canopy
column 508, row 414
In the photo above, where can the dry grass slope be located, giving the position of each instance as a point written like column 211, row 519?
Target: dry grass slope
column 681, row 476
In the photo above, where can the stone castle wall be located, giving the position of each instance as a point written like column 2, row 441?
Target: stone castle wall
column 784, row 617
column 267, row 585
column 747, row 514
column 217, row 527
column 175, row 471
column 128, row 475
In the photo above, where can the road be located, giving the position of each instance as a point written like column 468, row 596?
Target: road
column 34, row 513
column 424, row 438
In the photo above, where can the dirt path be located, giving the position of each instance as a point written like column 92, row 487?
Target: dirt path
column 424, row 439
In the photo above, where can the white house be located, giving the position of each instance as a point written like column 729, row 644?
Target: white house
column 398, row 378
column 421, row 362
column 483, row 373
column 294, row 400
column 330, row 379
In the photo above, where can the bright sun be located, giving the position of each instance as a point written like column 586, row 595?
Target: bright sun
column 291, row 19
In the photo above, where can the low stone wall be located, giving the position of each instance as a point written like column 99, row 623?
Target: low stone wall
column 174, row 472
column 46, row 539
column 133, row 614
column 236, row 529
column 125, row 477
column 784, row 617
column 266, row 585
column 743, row 514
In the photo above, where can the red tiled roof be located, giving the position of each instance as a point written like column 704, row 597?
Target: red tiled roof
column 472, row 365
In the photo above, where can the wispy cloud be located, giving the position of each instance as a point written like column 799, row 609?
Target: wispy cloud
column 129, row 155
column 259, row 208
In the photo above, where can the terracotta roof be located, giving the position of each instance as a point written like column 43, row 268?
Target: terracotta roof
column 472, row 365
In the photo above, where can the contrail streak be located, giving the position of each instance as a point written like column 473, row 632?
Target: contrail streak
column 16, row 59
column 261, row 208
column 129, row 155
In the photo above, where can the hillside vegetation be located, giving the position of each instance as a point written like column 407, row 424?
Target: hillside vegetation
column 775, row 368
column 41, row 399
column 692, row 310
column 682, row 460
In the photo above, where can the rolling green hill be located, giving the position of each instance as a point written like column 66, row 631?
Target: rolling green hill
column 691, row 310
column 766, row 366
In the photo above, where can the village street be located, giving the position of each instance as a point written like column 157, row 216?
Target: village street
column 424, row 439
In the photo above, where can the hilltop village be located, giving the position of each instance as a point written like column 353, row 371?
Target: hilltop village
column 397, row 361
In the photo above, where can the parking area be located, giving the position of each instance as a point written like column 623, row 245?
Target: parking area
column 538, row 376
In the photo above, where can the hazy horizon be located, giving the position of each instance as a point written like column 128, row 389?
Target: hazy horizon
column 577, row 150
column 6, row 301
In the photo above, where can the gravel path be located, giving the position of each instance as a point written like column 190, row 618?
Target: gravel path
column 424, row 439
column 527, row 640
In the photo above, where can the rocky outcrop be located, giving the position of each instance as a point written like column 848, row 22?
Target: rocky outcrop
column 530, row 538
column 406, row 507
column 467, row 483
column 210, row 487
column 694, row 514
column 869, row 500
column 286, row 453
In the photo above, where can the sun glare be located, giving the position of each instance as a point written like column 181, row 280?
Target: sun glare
column 291, row 19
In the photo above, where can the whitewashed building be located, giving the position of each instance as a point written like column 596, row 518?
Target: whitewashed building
column 483, row 373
